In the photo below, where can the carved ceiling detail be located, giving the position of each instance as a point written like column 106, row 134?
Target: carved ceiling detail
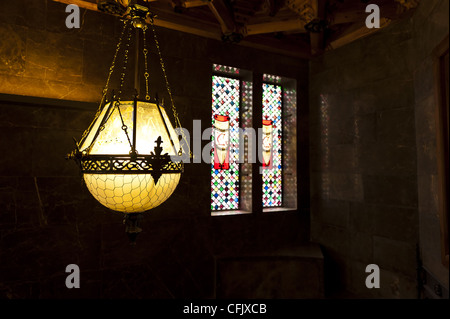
column 299, row 28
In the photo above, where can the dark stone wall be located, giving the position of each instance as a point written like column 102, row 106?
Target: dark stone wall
column 367, row 156
column 48, row 219
column 431, row 25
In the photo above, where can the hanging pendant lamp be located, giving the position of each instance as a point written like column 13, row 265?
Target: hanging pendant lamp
column 130, row 154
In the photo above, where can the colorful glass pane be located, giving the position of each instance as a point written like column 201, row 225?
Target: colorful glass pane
column 272, row 176
column 289, row 147
column 225, row 182
column 271, row 78
column 225, row 69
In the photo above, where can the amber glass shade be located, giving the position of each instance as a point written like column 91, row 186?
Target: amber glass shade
column 130, row 193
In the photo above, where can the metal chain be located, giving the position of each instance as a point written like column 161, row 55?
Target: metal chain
column 111, row 69
column 105, row 89
column 124, row 127
column 125, row 62
column 175, row 114
column 146, row 74
column 122, row 80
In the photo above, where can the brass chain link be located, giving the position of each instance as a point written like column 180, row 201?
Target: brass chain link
column 105, row 89
column 146, row 74
column 169, row 91
column 125, row 63
column 122, row 80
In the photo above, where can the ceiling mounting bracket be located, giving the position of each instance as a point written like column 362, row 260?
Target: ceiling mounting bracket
column 136, row 10
column 316, row 26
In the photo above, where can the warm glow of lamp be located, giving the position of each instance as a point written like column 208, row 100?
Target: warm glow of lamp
column 131, row 193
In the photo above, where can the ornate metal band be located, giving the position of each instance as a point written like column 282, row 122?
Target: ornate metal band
column 142, row 164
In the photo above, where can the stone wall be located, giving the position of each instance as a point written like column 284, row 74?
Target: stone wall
column 368, row 169
column 48, row 219
column 41, row 57
column 431, row 25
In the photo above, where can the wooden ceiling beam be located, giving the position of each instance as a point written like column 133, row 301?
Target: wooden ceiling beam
column 223, row 15
column 276, row 26
column 195, row 3
column 187, row 26
column 355, row 32
column 271, row 44
column 169, row 19
column 275, row 6
column 80, row 3
column 348, row 16
column 317, row 38
column 253, row 6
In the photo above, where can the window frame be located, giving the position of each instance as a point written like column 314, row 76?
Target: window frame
column 243, row 76
column 255, row 199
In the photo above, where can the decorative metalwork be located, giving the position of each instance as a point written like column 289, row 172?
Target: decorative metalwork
column 130, row 155
column 316, row 26
column 232, row 37
column 132, row 225
column 143, row 164
column 111, row 7
column 303, row 8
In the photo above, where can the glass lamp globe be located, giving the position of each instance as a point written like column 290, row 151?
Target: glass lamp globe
column 112, row 134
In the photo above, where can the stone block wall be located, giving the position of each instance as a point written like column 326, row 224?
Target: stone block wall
column 431, row 25
column 369, row 176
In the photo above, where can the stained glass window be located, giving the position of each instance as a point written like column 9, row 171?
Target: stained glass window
column 225, row 69
column 272, row 78
column 289, row 146
column 225, row 143
column 272, row 173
